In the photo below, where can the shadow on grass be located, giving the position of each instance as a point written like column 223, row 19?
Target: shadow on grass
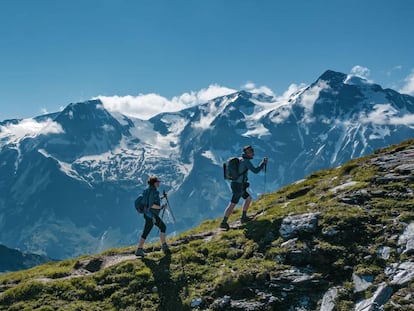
column 168, row 290
column 263, row 232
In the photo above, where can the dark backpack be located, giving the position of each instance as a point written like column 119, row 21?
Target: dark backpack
column 141, row 203
column 231, row 169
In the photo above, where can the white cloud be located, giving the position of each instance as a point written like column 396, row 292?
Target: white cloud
column 145, row 106
column 360, row 71
column 292, row 89
column 385, row 114
column 408, row 87
column 251, row 87
column 29, row 128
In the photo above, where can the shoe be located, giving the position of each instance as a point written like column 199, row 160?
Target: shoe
column 225, row 226
column 165, row 248
column 243, row 220
column 139, row 252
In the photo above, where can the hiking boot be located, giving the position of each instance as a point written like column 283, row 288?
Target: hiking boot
column 139, row 252
column 165, row 248
column 243, row 220
column 225, row 226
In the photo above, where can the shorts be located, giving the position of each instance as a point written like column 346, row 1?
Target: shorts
column 239, row 190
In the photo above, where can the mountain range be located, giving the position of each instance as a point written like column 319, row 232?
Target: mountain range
column 69, row 178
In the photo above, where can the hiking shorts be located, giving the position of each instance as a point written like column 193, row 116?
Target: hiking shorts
column 239, row 190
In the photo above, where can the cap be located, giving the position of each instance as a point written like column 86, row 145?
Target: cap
column 153, row 179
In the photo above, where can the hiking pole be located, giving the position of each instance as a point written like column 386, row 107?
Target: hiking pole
column 169, row 206
column 264, row 191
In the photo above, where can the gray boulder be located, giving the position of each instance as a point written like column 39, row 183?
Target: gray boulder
column 375, row 303
column 292, row 226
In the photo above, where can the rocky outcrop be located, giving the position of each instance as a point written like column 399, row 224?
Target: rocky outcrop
column 298, row 224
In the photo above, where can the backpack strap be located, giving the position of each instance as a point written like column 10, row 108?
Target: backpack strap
column 241, row 159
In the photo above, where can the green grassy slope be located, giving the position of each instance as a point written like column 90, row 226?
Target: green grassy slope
column 360, row 209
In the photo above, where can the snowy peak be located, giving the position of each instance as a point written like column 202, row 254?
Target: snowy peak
column 332, row 78
column 81, row 118
column 88, row 129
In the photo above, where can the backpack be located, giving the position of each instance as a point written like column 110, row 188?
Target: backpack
column 231, row 169
column 141, row 203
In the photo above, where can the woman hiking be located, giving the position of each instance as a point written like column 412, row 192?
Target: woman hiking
column 151, row 215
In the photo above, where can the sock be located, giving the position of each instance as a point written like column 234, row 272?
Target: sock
column 244, row 214
column 225, row 219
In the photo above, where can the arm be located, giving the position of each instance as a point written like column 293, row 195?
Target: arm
column 256, row 170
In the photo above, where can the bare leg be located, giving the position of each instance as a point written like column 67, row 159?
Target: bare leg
column 162, row 237
column 141, row 243
column 247, row 203
column 229, row 209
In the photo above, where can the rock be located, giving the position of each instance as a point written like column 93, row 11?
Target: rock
column 330, row 232
column 290, row 279
column 407, row 238
column 384, row 252
column 328, row 300
column 226, row 301
column 378, row 299
column 405, row 168
column 358, row 197
column 196, row 302
column 361, row 282
column 245, row 305
column 91, row 265
column 400, row 273
column 343, row 186
column 289, row 243
column 294, row 225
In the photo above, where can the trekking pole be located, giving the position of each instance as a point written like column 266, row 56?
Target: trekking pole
column 264, row 191
column 169, row 206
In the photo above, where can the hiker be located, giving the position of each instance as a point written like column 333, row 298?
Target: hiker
column 151, row 215
column 239, row 186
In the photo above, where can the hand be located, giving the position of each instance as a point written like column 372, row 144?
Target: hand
column 164, row 206
column 264, row 161
column 164, row 195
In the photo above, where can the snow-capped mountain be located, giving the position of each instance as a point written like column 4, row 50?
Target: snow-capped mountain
column 68, row 179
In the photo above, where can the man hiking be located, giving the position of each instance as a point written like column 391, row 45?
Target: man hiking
column 239, row 186
column 151, row 215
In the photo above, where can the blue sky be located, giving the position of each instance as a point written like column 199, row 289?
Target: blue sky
column 54, row 52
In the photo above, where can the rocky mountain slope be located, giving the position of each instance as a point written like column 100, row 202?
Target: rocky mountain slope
column 68, row 179
column 341, row 239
